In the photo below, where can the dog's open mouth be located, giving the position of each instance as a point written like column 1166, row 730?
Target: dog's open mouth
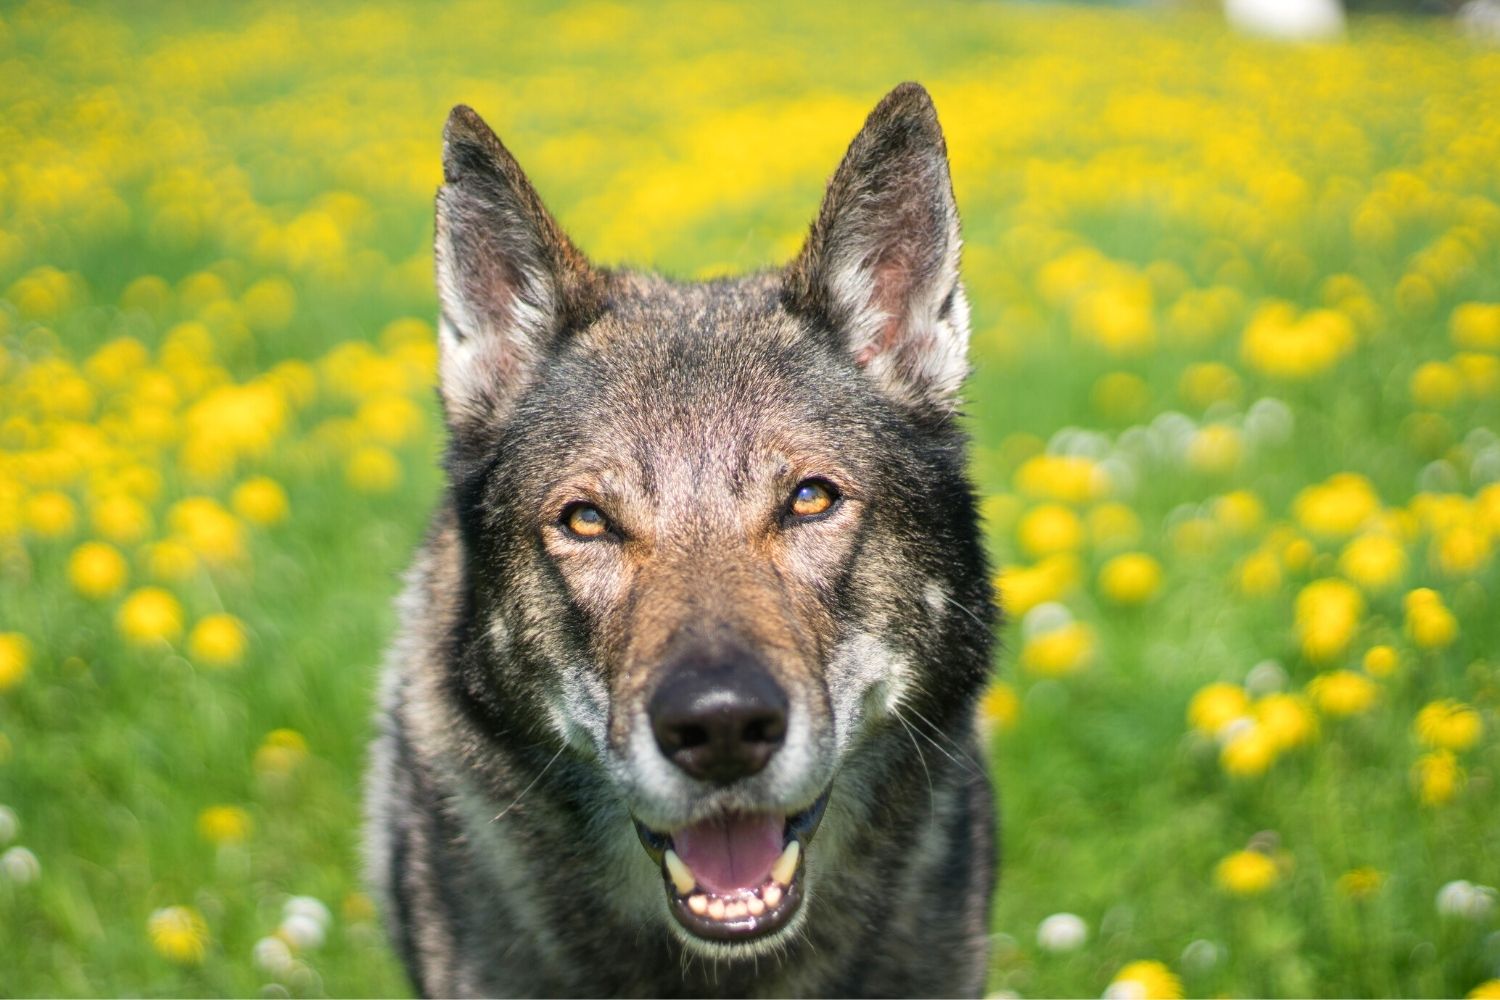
column 735, row 876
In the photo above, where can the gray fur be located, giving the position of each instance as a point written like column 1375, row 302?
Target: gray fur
column 512, row 755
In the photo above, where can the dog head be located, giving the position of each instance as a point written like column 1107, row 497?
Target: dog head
column 718, row 533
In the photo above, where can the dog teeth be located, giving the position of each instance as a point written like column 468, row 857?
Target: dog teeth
column 682, row 875
column 786, row 865
column 739, row 903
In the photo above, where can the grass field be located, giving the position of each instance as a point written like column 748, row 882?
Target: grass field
column 1235, row 413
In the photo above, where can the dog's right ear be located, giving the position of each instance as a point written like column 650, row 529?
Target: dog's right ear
column 509, row 280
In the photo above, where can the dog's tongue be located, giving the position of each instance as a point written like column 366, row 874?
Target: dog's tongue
column 731, row 852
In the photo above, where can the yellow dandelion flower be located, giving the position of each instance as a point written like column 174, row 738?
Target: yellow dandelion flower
column 260, row 500
column 389, row 419
column 1240, row 512
column 207, row 528
column 1217, row 705
column 1327, row 615
column 1210, row 382
column 1246, row 873
column 1144, row 980
column 269, row 304
column 96, row 569
column 149, row 615
column 1487, row 990
column 1131, row 578
column 51, row 514
column 179, row 934
column 1438, row 777
column 373, row 470
column 1258, row 574
column 1436, row 385
column 121, row 519
column 358, row 907
column 1064, row 478
column 1022, row 588
column 1064, row 650
column 1480, row 372
column 224, row 824
column 170, row 561
column 280, row 752
column 1215, row 449
column 1429, row 623
column 1448, row 725
column 1381, row 661
column 1462, row 550
column 1341, row 693
column 1374, row 561
column 1049, row 529
column 1286, row 719
column 1113, row 525
column 1476, row 326
column 15, row 659
column 1337, row 507
column 1279, row 343
column 217, row 641
column 1360, row 883
column 1249, row 752
column 1000, row 705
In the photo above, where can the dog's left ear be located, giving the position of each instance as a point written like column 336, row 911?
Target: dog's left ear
column 880, row 266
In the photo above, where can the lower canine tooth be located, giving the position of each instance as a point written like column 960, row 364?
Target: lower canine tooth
column 786, row 865
column 755, row 906
column 771, row 894
column 698, row 904
column 716, row 909
column 682, row 875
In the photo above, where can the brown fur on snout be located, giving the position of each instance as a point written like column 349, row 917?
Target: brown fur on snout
column 731, row 602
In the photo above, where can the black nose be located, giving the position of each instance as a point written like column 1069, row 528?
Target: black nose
column 719, row 719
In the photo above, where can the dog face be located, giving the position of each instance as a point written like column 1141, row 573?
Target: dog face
column 719, row 524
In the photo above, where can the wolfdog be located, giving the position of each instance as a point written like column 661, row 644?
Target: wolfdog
column 683, row 701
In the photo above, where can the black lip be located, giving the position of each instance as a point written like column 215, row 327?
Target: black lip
column 799, row 827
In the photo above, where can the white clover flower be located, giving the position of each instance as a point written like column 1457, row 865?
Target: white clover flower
column 272, row 955
column 1201, row 955
column 1269, row 421
column 1062, row 932
column 10, row 824
column 1048, row 616
column 20, row 866
column 1125, row 989
column 302, row 932
column 1266, row 677
column 308, row 906
column 1463, row 899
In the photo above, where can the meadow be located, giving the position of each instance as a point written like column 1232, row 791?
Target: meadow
column 1234, row 410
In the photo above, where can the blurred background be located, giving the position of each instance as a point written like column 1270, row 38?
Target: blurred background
column 1237, row 389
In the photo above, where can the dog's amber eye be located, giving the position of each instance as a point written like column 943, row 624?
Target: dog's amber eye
column 585, row 521
column 812, row 497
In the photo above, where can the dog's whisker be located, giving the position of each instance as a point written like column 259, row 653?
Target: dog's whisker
column 968, row 758
column 977, row 620
column 931, row 795
column 516, row 801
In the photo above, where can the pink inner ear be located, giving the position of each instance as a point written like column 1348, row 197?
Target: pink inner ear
column 890, row 294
